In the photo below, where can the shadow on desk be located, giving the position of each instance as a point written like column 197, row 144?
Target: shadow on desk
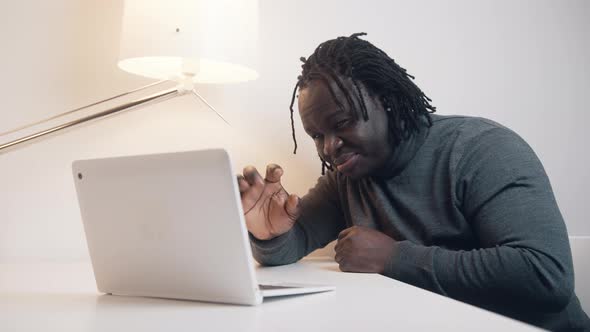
column 116, row 302
column 147, row 314
column 95, row 302
column 319, row 262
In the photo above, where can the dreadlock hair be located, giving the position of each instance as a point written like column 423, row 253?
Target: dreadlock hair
column 356, row 59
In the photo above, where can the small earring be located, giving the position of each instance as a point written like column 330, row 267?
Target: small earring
column 388, row 109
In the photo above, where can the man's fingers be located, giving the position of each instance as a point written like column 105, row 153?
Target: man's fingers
column 242, row 183
column 292, row 207
column 344, row 233
column 340, row 247
column 273, row 173
column 252, row 176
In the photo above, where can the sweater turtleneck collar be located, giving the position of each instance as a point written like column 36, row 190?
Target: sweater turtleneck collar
column 402, row 155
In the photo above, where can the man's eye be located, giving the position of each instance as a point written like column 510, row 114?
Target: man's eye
column 316, row 136
column 342, row 123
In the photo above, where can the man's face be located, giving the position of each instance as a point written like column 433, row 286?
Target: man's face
column 356, row 148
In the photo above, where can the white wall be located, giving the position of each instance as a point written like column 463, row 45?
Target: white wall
column 522, row 63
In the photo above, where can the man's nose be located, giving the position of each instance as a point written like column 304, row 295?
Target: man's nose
column 332, row 144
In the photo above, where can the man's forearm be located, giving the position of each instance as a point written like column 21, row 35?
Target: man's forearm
column 489, row 276
column 284, row 249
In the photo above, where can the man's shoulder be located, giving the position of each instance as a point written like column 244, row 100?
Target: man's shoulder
column 464, row 122
column 473, row 136
column 466, row 128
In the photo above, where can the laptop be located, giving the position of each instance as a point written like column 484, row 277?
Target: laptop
column 171, row 226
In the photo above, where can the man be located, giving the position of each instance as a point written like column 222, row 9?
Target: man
column 456, row 205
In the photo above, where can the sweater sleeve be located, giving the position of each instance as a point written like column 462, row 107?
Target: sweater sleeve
column 524, row 257
column 320, row 222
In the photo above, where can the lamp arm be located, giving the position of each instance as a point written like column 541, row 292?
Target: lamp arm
column 209, row 105
column 110, row 111
column 80, row 108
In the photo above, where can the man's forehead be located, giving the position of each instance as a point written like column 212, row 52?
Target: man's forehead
column 319, row 119
column 318, row 102
column 322, row 87
column 326, row 97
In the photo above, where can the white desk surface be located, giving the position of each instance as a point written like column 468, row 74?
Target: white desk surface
column 63, row 297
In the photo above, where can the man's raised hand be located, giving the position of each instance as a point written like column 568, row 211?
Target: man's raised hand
column 269, row 210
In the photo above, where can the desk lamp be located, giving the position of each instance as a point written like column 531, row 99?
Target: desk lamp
column 185, row 41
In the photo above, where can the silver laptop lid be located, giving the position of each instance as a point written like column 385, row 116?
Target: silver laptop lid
column 167, row 225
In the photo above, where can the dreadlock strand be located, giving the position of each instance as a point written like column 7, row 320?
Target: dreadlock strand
column 344, row 91
column 326, row 80
column 364, row 110
column 292, row 121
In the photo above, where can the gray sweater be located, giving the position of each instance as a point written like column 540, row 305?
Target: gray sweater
column 474, row 217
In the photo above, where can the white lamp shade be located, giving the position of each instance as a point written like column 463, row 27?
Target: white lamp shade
column 214, row 41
